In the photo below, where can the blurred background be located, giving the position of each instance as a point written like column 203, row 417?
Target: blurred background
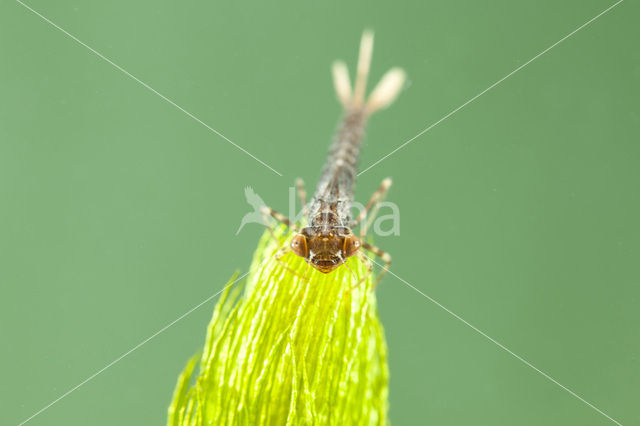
column 118, row 212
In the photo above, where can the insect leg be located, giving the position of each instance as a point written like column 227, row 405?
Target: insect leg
column 268, row 211
column 269, row 226
column 280, row 253
column 376, row 198
column 364, row 259
column 278, row 257
column 302, row 194
column 386, row 258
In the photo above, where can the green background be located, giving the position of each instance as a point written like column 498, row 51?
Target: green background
column 520, row 212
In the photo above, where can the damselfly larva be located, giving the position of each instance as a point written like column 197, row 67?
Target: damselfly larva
column 327, row 240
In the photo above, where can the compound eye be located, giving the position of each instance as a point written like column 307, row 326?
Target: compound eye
column 351, row 245
column 299, row 245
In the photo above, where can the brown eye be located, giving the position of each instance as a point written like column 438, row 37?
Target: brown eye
column 351, row 245
column 299, row 245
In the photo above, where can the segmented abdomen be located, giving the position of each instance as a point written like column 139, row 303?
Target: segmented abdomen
column 335, row 190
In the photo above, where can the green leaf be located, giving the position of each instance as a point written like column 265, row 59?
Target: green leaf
column 289, row 346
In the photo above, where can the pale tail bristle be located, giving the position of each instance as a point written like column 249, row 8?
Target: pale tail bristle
column 385, row 92
column 362, row 72
column 342, row 83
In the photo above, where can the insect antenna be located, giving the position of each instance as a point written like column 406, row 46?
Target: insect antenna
column 304, row 276
column 344, row 262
